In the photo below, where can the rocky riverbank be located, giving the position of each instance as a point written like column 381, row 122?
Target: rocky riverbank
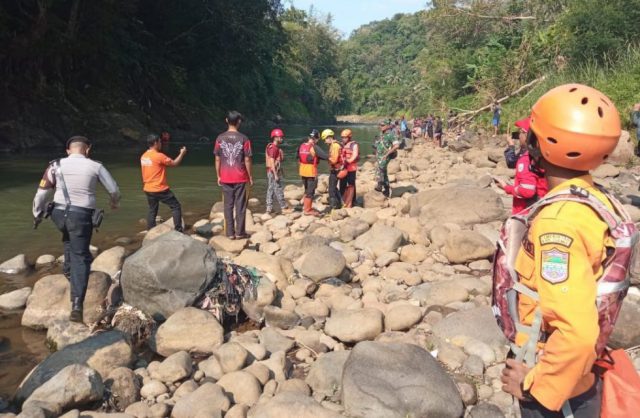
column 375, row 311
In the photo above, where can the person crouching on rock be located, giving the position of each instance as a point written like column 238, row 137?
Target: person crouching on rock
column 350, row 157
column 335, row 165
column 274, row 157
column 309, row 154
column 529, row 184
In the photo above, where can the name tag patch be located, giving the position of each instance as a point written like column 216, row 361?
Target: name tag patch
column 555, row 238
column 555, row 266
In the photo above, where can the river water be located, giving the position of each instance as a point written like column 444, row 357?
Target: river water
column 193, row 182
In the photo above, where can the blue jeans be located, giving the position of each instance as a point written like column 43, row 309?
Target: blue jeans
column 76, row 228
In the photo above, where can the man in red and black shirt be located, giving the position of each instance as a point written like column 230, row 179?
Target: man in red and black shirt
column 274, row 157
column 233, row 167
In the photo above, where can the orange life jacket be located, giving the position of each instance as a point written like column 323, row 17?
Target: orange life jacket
column 308, row 160
column 347, row 152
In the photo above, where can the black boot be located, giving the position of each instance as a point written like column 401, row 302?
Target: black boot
column 76, row 310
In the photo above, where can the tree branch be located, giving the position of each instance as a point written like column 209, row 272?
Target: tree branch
column 480, row 16
column 472, row 114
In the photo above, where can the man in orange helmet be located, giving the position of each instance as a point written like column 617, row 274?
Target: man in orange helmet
column 574, row 128
column 350, row 158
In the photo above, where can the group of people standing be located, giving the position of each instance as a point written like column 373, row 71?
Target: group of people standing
column 428, row 128
column 75, row 178
column 342, row 157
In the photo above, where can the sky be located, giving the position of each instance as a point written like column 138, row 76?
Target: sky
column 351, row 14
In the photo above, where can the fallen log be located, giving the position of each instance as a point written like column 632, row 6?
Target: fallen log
column 466, row 117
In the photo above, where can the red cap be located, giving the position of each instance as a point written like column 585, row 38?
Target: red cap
column 524, row 124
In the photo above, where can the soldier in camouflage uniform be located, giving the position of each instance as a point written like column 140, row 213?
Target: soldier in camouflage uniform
column 386, row 147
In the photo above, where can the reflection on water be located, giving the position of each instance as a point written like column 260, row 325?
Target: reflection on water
column 194, row 183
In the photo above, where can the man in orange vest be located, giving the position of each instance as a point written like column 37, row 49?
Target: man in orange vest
column 335, row 165
column 574, row 128
column 309, row 154
column 350, row 158
column 154, row 177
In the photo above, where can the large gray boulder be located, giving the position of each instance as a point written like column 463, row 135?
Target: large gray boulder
column 209, row 400
column 321, row 263
column 50, row 300
column 296, row 248
column 167, row 274
column 63, row 333
column 102, row 352
column 465, row 246
column 380, row 239
column 124, row 387
column 291, row 405
column 325, row 375
column 73, row 386
column 626, row 334
column 397, row 380
column 355, row 325
column 478, row 323
column 462, row 205
column 189, row 329
column 109, row 261
column 16, row 299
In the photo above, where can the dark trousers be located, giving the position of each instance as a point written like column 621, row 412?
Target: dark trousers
column 310, row 184
column 382, row 177
column 235, row 198
column 586, row 405
column 76, row 228
column 335, row 199
column 168, row 198
column 350, row 180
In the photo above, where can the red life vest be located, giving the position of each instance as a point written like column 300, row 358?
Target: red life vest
column 308, row 160
column 347, row 152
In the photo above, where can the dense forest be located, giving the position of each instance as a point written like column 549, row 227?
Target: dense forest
column 115, row 68
column 463, row 54
column 118, row 68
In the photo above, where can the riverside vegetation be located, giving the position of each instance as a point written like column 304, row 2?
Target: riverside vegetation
column 346, row 304
column 116, row 72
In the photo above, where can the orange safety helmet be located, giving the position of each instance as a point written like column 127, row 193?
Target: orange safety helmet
column 576, row 127
column 346, row 133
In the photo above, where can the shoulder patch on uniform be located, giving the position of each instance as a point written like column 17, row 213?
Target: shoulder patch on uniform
column 520, row 167
column 555, row 265
column 43, row 184
column 555, row 238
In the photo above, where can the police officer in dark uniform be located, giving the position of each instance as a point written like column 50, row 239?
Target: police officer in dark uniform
column 74, row 179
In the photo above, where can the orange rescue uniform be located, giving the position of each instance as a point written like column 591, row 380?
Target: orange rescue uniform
column 154, row 171
column 562, row 259
column 308, row 160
